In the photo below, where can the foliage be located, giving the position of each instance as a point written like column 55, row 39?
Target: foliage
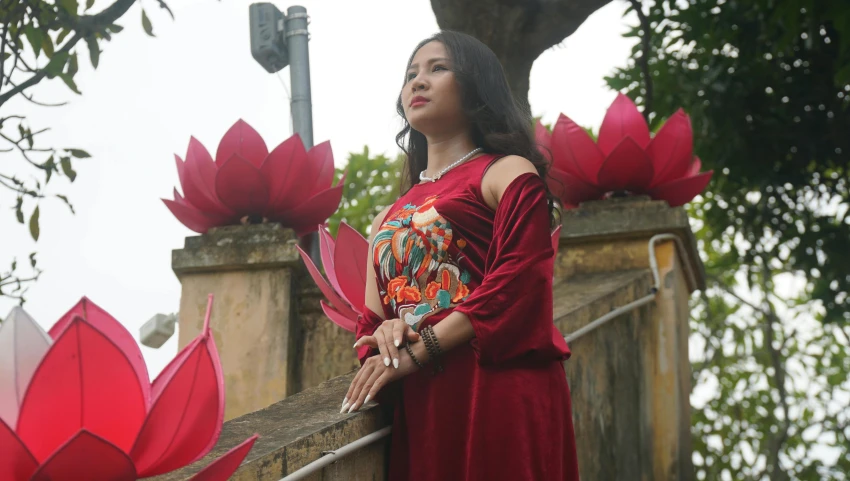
column 372, row 184
column 767, row 84
column 41, row 39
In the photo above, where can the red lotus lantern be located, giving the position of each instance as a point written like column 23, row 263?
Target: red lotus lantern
column 345, row 266
column 624, row 158
column 245, row 182
column 78, row 404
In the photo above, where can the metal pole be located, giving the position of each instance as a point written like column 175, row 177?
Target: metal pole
column 301, row 106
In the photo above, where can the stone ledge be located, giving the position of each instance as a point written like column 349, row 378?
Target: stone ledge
column 295, row 432
column 261, row 246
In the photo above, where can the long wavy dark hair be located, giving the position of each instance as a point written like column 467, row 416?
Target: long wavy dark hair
column 499, row 124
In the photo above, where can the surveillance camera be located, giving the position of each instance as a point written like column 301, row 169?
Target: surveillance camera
column 157, row 330
column 268, row 44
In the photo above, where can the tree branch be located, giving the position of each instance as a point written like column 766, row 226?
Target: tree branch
column 85, row 24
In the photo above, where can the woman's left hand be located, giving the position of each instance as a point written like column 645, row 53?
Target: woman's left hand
column 390, row 335
column 373, row 376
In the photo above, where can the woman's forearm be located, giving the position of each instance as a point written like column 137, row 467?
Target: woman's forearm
column 454, row 330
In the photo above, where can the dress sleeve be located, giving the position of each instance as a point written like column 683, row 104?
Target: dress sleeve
column 511, row 310
column 367, row 324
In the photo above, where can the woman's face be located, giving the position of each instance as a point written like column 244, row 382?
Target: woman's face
column 431, row 96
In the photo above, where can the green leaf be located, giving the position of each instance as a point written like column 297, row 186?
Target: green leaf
column 56, row 64
column 49, row 166
column 70, row 6
column 47, row 45
column 34, row 229
column 73, row 66
column 89, row 4
column 70, row 83
column 34, row 37
column 146, row 24
column 33, row 262
column 64, row 33
column 19, row 213
column 67, row 202
column 79, row 153
column 94, row 50
column 115, row 28
column 69, row 172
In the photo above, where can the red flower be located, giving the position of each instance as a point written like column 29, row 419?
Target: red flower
column 77, row 404
column 624, row 158
column 289, row 185
column 345, row 266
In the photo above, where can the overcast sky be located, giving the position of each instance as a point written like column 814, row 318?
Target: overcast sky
column 197, row 77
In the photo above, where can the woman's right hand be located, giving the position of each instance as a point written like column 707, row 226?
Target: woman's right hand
column 389, row 336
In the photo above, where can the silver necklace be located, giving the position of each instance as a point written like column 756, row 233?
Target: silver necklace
column 424, row 178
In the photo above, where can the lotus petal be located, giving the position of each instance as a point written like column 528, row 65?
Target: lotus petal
column 320, row 168
column 326, row 251
column 314, row 210
column 85, row 382
column 339, row 304
column 573, row 151
column 242, row 140
column 16, row 462
column 350, row 256
column 681, row 191
column 222, row 468
column 695, row 167
column 241, row 186
column 112, row 329
column 199, row 172
column 180, row 166
column 621, row 121
column 87, row 453
column 185, row 419
column 671, row 149
column 347, row 323
column 191, row 217
column 23, row 344
column 544, row 140
column 574, row 190
column 283, row 169
column 628, row 167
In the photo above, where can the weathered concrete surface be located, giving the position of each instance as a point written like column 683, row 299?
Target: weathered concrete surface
column 250, row 270
column 295, row 432
column 612, row 235
column 324, row 349
column 630, row 378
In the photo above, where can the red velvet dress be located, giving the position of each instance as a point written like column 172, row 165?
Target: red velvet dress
column 501, row 410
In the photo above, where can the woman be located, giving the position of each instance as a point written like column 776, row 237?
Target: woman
column 459, row 285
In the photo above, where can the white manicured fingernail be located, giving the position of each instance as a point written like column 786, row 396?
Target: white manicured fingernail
column 355, row 345
column 343, row 408
column 397, row 343
column 387, row 361
column 345, row 401
column 368, row 396
column 352, row 408
column 395, row 363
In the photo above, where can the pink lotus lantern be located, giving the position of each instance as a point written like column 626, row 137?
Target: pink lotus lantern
column 77, row 403
column 624, row 159
column 345, row 266
column 246, row 183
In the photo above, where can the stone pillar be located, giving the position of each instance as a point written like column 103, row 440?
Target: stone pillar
column 630, row 378
column 252, row 271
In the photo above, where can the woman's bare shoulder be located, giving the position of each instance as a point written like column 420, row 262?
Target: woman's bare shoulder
column 500, row 174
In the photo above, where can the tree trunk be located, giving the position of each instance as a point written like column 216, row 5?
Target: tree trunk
column 518, row 31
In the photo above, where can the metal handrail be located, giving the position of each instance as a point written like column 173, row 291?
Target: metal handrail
column 334, row 456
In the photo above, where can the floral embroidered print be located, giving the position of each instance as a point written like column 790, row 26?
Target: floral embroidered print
column 411, row 250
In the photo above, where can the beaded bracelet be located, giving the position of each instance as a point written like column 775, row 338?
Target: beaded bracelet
column 433, row 348
column 410, row 351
